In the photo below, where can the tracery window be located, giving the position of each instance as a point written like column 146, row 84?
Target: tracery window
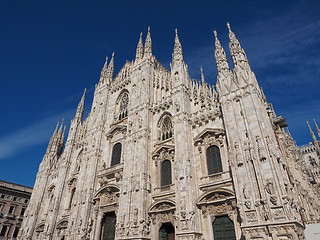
column 123, row 110
column 166, row 128
column 116, row 154
column 214, row 164
column 72, row 196
column 166, row 175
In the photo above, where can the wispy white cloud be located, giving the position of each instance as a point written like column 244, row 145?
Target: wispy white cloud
column 32, row 135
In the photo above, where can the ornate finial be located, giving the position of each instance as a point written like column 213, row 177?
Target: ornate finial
column 139, row 51
column 215, row 33
column 148, row 45
column 228, row 26
column 177, row 51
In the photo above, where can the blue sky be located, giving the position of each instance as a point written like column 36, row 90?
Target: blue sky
column 51, row 51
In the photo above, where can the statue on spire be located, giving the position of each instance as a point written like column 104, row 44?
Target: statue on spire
column 139, row 51
column 148, row 45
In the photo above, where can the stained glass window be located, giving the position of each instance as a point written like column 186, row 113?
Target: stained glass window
column 213, row 160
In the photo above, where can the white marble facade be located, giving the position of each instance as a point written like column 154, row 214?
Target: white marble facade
column 142, row 156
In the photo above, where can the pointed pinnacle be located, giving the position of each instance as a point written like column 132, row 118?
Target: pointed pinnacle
column 111, row 64
column 60, row 129
column 63, row 134
column 217, row 42
column 148, row 44
column 177, row 50
column 105, row 64
column 202, row 76
column 228, row 26
column 84, row 94
column 55, row 131
column 316, row 124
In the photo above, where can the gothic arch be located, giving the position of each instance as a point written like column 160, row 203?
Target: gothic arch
column 215, row 194
column 162, row 205
column 63, row 223
column 78, row 160
column 120, row 95
column 72, row 182
column 40, row 227
column 122, row 104
column 162, row 211
column 51, row 188
column 165, row 126
column 100, row 190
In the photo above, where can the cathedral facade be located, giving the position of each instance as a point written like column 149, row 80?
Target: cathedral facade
column 163, row 156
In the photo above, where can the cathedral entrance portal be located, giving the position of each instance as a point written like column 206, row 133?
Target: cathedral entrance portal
column 166, row 232
column 223, row 228
column 108, row 226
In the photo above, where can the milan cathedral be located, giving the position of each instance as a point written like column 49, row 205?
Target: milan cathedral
column 163, row 156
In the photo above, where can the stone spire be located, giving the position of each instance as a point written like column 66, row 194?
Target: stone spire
column 139, row 51
column 224, row 77
column 237, row 53
column 110, row 70
column 220, row 55
column 202, row 76
column 104, row 70
column 63, row 135
column 60, row 129
column 148, row 45
column 80, row 108
column 177, row 51
column 318, row 130
column 312, row 133
column 315, row 141
column 53, row 137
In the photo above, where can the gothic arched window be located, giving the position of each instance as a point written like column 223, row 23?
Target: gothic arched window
column 213, row 160
column 166, row 178
column 166, row 128
column 72, row 196
column 116, row 154
column 123, row 109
